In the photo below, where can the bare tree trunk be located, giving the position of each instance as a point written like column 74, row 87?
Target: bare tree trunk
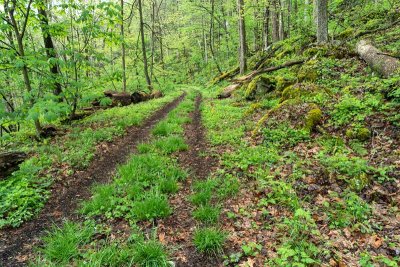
column 49, row 45
column 266, row 27
column 321, row 7
column 242, row 38
column 281, row 21
column 211, row 37
column 275, row 21
column 123, row 48
column 146, row 67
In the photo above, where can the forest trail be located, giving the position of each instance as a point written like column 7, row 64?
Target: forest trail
column 17, row 244
column 177, row 230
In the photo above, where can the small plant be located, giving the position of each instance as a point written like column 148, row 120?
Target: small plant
column 168, row 186
column 201, row 198
column 209, row 240
column 171, row 144
column 150, row 254
column 251, row 249
column 207, row 214
column 62, row 244
column 154, row 205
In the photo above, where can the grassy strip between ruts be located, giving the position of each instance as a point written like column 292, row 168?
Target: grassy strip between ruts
column 24, row 194
column 139, row 193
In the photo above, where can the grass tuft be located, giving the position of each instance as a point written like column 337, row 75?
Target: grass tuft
column 209, row 240
column 150, row 254
column 207, row 214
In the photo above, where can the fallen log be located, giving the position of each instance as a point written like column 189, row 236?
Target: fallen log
column 118, row 98
column 140, row 96
column 380, row 62
column 253, row 74
column 9, row 162
column 225, row 75
column 227, row 92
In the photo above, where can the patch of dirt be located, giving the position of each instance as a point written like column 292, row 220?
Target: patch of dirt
column 16, row 244
column 177, row 230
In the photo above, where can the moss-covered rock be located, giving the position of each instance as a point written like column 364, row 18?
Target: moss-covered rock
column 283, row 82
column 362, row 134
column 259, row 86
column 290, row 92
column 316, row 51
column 303, row 90
column 313, row 118
column 308, row 72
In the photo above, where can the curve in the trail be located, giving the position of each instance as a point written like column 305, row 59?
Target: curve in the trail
column 16, row 244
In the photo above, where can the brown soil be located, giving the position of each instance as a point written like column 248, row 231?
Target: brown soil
column 177, row 230
column 16, row 244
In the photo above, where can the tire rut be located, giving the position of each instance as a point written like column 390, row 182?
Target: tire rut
column 177, row 230
column 17, row 244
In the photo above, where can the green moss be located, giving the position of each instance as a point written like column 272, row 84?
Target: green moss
column 313, row 117
column 259, row 86
column 290, row 92
column 283, row 82
column 316, row 51
column 308, row 72
column 362, row 134
column 253, row 107
column 346, row 33
column 251, row 88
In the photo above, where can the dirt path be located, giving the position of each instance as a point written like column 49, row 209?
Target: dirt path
column 16, row 244
column 177, row 230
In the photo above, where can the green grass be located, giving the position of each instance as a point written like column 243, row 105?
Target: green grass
column 62, row 244
column 209, row 240
column 201, row 198
column 153, row 206
column 150, row 254
column 171, row 144
column 207, row 214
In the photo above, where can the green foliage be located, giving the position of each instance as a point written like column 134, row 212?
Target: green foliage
column 351, row 109
column 284, row 135
column 207, row 214
column 23, row 194
column 153, row 206
column 171, row 144
column 201, row 198
column 297, row 250
column 251, row 249
column 62, row 244
column 209, row 240
column 349, row 211
column 150, row 254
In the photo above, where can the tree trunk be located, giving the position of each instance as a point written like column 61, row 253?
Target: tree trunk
column 242, row 38
column 123, row 48
column 50, row 48
column 146, row 67
column 281, row 21
column 275, row 21
column 212, row 38
column 19, row 33
column 382, row 63
column 321, row 7
column 266, row 28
